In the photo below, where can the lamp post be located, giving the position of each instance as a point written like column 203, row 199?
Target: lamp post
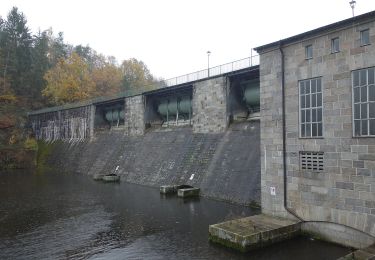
column 352, row 5
column 208, row 63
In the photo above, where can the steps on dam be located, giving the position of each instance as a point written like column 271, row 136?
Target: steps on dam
column 253, row 232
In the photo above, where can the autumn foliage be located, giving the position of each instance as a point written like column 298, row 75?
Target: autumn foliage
column 69, row 81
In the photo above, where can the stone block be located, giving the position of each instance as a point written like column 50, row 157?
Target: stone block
column 345, row 185
column 358, row 164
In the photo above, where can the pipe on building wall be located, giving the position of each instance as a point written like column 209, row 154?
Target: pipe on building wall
column 284, row 135
column 284, row 153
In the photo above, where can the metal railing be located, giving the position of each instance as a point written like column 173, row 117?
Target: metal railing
column 191, row 77
column 214, row 71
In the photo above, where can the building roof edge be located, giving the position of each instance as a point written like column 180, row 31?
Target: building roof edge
column 316, row 31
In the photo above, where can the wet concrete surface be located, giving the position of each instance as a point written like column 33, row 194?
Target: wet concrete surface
column 70, row 216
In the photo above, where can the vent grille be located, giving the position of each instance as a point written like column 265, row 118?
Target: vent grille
column 311, row 161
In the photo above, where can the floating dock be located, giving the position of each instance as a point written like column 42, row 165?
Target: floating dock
column 253, row 232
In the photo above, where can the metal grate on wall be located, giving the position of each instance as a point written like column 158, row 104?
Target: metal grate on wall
column 311, row 161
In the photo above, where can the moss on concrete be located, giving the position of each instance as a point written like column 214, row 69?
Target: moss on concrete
column 227, row 243
column 44, row 150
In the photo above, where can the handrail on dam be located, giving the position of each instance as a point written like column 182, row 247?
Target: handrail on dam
column 191, row 77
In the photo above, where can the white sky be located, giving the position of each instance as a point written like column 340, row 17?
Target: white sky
column 173, row 36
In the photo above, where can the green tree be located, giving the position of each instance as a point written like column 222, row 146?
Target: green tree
column 40, row 64
column 16, row 44
column 57, row 49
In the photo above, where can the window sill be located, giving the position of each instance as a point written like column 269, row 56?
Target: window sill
column 319, row 137
column 363, row 45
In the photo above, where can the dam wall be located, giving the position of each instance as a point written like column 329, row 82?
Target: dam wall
column 225, row 165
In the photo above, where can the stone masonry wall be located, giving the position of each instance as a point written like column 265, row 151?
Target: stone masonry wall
column 134, row 116
column 225, row 166
column 210, row 106
column 344, row 192
column 271, row 134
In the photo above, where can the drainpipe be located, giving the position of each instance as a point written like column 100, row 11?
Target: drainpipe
column 284, row 135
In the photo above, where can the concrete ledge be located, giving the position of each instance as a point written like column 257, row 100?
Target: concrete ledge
column 188, row 192
column 253, row 232
column 338, row 234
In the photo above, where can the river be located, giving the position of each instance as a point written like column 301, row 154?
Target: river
column 70, row 216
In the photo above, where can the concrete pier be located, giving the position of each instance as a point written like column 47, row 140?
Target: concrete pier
column 188, row 192
column 168, row 189
column 253, row 232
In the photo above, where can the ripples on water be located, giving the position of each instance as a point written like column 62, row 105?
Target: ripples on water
column 67, row 216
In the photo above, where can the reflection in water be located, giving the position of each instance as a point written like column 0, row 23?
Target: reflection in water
column 60, row 216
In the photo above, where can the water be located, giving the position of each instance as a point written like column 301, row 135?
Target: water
column 67, row 216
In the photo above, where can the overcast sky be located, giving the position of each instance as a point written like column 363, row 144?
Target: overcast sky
column 173, row 36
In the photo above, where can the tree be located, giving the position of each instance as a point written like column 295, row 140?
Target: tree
column 16, row 44
column 136, row 75
column 40, row 64
column 69, row 81
column 57, row 49
column 107, row 80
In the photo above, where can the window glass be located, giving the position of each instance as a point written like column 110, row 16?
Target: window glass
column 371, row 110
column 356, row 94
column 365, row 37
column 335, row 45
column 363, row 77
column 372, row 127
column 364, row 127
column 311, row 108
column 356, row 78
column 363, row 102
column 370, row 76
column 308, row 51
column 357, row 127
column 371, row 93
column 357, row 111
column 364, row 111
column 363, row 94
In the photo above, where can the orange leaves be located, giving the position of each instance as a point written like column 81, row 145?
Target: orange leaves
column 107, row 79
column 69, row 81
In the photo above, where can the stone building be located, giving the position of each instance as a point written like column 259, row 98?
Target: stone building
column 318, row 129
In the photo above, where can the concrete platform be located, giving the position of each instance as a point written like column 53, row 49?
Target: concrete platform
column 188, row 192
column 361, row 254
column 253, row 232
column 168, row 189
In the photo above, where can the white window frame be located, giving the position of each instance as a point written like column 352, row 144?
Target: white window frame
column 361, row 103
column 310, row 109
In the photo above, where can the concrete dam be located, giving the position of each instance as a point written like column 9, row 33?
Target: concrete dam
column 203, row 132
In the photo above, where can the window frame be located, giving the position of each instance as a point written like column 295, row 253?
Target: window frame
column 310, row 108
column 307, row 47
column 361, row 37
column 360, row 103
column 333, row 50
